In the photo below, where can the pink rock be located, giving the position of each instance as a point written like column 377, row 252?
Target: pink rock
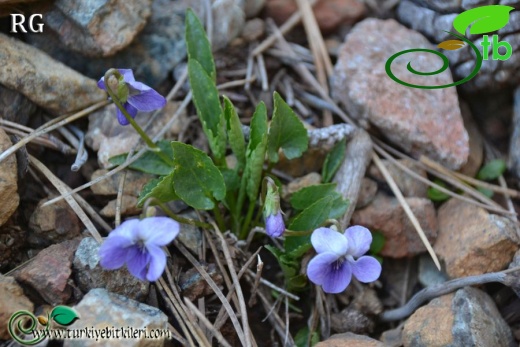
column 386, row 215
column 329, row 13
column 420, row 121
column 48, row 273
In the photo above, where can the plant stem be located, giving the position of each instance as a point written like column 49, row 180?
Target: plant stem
column 247, row 222
column 152, row 146
column 219, row 218
column 182, row 219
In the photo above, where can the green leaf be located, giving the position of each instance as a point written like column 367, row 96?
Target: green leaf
column 289, row 266
column 297, row 283
column 487, row 192
column 196, row 180
column 339, row 207
column 159, row 188
column 207, row 103
column 378, row 242
column 333, row 160
column 302, row 338
column 306, row 196
column 436, row 195
column 286, row 132
column 150, row 162
column 64, row 315
column 297, row 246
column 234, row 133
column 230, row 178
column 313, row 216
column 255, row 154
column 198, row 45
column 483, row 19
column 492, row 170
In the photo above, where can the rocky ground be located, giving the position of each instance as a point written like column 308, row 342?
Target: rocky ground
column 51, row 109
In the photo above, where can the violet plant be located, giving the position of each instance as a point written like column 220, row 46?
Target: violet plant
column 206, row 182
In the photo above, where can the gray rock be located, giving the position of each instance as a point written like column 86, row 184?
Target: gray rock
column 134, row 182
column 409, row 186
column 8, row 181
column 398, row 111
column 229, row 20
column 428, row 272
column 46, row 82
column 14, row 106
column 102, row 309
column 108, row 138
column 190, row 235
column 89, row 274
column 152, row 54
column 467, row 318
column 97, row 27
column 251, row 7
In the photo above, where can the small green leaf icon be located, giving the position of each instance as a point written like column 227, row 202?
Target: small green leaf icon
column 451, row 45
column 483, row 19
column 64, row 315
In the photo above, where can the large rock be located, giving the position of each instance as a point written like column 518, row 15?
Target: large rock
column 89, row 274
column 386, row 215
column 97, row 27
column 8, row 181
column 45, row 81
column 53, row 224
column 101, row 309
column 134, row 183
column 12, row 299
column 48, row 274
column 14, row 106
column 421, row 121
column 409, row 186
column 472, row 241
column 468, row 317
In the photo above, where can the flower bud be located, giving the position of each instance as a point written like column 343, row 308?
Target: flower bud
column 274, row 224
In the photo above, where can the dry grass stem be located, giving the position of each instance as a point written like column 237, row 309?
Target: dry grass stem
column 202, row 318
column 397, row 192
column 259, row 268
column 64, row 189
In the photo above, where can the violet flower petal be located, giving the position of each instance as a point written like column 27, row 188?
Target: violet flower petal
column 158, row 231
column 157, row 262
column 366, row 269
column 147, row 101
column 136, row 261
column 128, row 75
column 113, row 252
column 338, row 278
column 359, row 240
column 319, row 267
column 328, row 240
column 101, row 84
column 274, row 225
column 132, row 111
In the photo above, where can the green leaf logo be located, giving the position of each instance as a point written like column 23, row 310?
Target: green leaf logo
column 483, row 19
column 64, row 315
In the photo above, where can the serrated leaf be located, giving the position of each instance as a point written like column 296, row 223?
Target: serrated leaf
column 378, row 242
column 297, row 246
column 289, row 266
column 255, row 153
column 306, row 196
column 286, row 132
column 207, row 103
column 159, row 188
column 339, row 206
column 333, row 160
column 198, row 45
column 63, row 315
column 483, row 19
column 313, row 216
column 296, row 283
column 196, row 180
column 149, row 162
column 451, row 45
column 492, row 170
column 234, row 133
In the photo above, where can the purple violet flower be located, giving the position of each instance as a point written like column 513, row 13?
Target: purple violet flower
column 140, row 97
column 334, row 265
column 274, row 225
column 138, row 244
